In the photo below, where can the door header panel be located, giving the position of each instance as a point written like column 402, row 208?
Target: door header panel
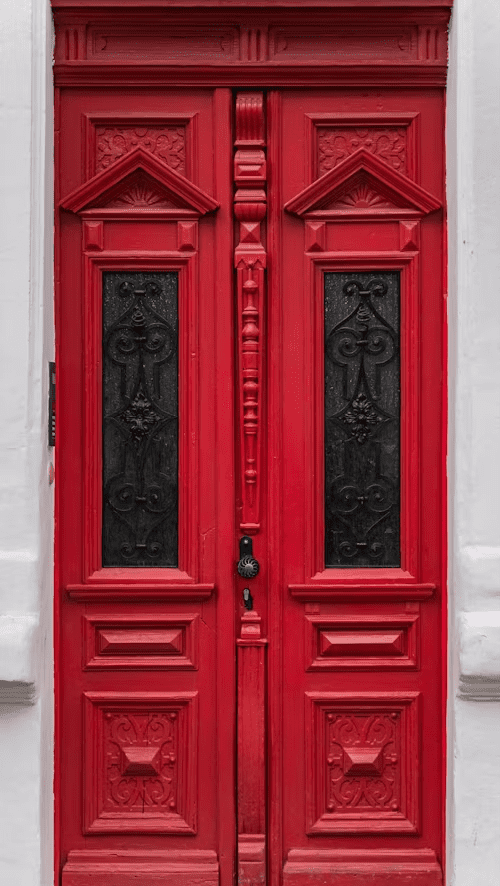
column 255, row 47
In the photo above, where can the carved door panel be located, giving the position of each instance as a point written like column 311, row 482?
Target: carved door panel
column 250, row 359
column 360, row 290
column 146, row 524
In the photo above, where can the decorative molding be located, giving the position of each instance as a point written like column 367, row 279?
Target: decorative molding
column 250, row 261
column 187, row 235
column 479, row 688
column 363, row 763
column 140, row 762
column 250, row 75
column 363, row 185
column 164, row 141
column 185, row 582
column 156, row 867
column 137, row 181
column 93, row 235
column 315, row 232
column 251, row 743
column 335, row 143
column 115, row 591
column 148, row 642
column 331, row 593
column 141, row 41
column 409, row 236
column 479, row 653
column 121, row 45
column 381, row 867
column 362, row 642
column 368, row 42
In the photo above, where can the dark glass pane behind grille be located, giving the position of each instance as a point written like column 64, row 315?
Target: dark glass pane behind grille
column 362, row 419
column 140, row 408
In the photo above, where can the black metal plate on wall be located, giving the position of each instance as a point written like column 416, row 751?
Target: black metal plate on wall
column 140, row 419
column 362, row 419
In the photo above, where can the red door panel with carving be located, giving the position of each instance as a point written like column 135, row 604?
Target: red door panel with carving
column 145, row 411
column 250, row 409
column 362, row 321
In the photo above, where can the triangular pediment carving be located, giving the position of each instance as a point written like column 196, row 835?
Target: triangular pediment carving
column 363, row 185
column 139, row 183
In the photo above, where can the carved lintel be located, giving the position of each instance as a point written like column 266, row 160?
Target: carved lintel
column 250, row 262
column 251, row 752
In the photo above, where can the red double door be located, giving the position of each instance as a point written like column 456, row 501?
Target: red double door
column 250, row 326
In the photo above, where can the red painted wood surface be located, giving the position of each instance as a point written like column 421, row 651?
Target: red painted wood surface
column 305, row 737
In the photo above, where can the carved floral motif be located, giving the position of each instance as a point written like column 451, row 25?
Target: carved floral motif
column 363, row 762
column 335, row 143
column 167, row 143
column 141, row 756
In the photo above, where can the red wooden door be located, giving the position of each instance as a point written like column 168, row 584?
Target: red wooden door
column 250, row 324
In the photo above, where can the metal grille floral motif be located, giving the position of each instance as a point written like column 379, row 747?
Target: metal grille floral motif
column 140, row 393
column 362, row 405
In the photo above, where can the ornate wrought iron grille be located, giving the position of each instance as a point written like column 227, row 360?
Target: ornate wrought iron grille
column 140, row 409
column 362, row 419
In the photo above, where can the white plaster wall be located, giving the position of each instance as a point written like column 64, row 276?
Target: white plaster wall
column 26, row 507
column 474, row 463
column 26, row 504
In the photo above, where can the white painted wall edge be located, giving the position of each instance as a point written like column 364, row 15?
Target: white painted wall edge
column 19, row 658
column 479, row 645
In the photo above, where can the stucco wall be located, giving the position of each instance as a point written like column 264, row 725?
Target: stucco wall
column 474, row 463
column 26, row 341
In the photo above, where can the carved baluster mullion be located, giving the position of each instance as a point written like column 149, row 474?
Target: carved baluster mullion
column 250, row 262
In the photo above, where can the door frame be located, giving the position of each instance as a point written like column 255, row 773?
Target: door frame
column 76, row 65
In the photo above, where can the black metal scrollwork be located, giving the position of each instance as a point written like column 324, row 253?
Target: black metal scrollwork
column 140, row 407
column 362, row 419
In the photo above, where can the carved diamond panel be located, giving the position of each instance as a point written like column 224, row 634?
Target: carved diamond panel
column 140, row 762
column 167, row 143
column 362, row 642
column 151, row 642
column 363, row 757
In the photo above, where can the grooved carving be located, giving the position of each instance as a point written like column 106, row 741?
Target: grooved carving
column 139, row 191
column 140, row 762
column 362, row 196
column 167, row 143
column 250, row 262
column 363, row 758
